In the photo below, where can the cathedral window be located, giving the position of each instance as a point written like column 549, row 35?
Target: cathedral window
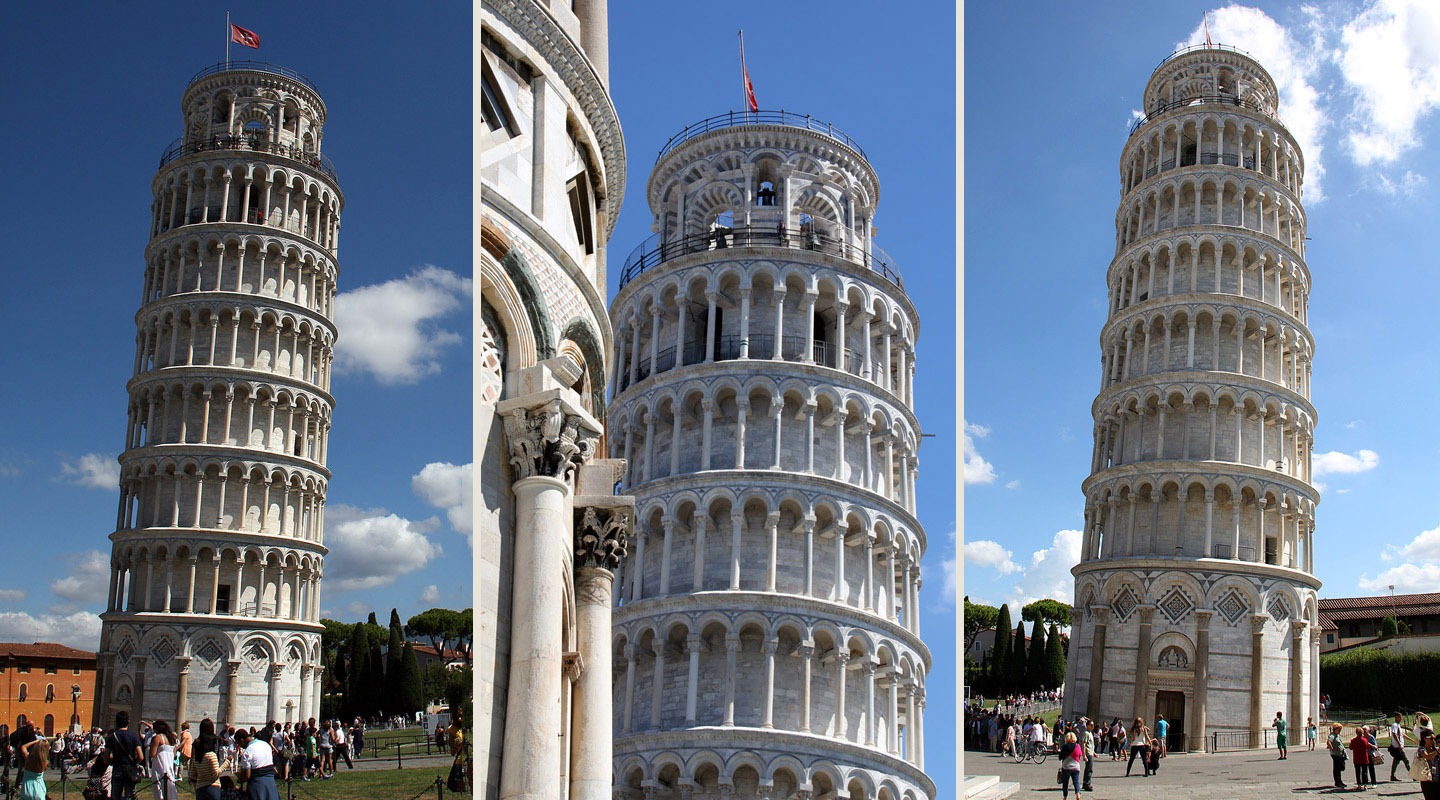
column 492, row 105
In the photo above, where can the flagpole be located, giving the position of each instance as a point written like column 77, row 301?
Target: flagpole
column 744, row 92
column 227, row 40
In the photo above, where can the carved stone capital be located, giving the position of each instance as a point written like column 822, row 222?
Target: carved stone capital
column 601, row 534
column 572, row 664
column 548, row 434
column 1257, row 623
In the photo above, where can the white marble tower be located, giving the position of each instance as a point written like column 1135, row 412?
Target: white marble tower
column 766, row 640
column 1195, row 593
column 218, row 550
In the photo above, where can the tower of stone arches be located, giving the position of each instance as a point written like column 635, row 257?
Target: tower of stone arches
column 766, row 639
column 1195, row 593
column 216, row 559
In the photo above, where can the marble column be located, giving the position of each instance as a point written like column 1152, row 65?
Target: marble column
column 182, row 685
column 600, row 538
column 1097, row 661
column 1202, row 680
column 1257, row 663
column 1142, row 663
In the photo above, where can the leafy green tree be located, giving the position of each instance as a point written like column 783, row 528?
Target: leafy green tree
column 459, row 694
column 1000, row 653
column 1054, row 658
column 1036, row 676
column 438, row 625
column 465, row 633
column 434, row 679
column 978, row 618
column 1046, row 611
column 1388, row 627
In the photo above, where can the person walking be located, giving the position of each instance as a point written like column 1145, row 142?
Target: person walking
column 327, row 747
column 1139, row 746
column 186, row 747
column 162, row 762
column 127, row 758
column 1310, row 732
column 342, row 746
column 1162, row 730
column 1397, row 746
column 1338, row 754
column 1279, row 726
column 1117, row 732
column 1360, row 747
column 206, row 765
column 1087, row 745
column 1071, row 753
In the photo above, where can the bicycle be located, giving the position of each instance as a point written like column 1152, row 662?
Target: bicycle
column 1031, row 751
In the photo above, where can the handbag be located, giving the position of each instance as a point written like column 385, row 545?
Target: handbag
column 1060, row 776
column 1420, row 770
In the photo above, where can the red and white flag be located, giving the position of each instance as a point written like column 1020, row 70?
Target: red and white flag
column 745, row 75
column 244, row 36
column 1206, row 22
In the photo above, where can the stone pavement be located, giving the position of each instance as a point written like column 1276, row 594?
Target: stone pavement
column 1225, row 776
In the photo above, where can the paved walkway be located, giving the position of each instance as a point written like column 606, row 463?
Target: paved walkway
column 1246, row 775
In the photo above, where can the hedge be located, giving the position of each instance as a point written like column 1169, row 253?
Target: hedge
column 1369, row 678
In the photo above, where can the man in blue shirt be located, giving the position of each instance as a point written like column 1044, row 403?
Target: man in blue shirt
column 1162, row 728
column 126, row 756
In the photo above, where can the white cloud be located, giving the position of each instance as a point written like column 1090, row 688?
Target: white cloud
column 1337, row 463
column 1406, row 578
column 80, row 629
column 1353, row 424
column 1048, row 573
column 1389, row 56
column 445, row 485
column 1407, row 186
column 389, row 329
column 431, row 595
column 985, row 553
column 1292, row 63
column 12, row 595
column 948, row 573
column 89, row 578
column 94, row 471
column 1015, row 484
column 977, row 469
column 371, row 548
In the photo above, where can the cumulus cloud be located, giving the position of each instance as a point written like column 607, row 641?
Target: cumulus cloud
column 372, row 547
column 1389, row 55
column 80, row 629
column 430, row 595
column 1015, row 484
column 391, row 331
column 451, row 487
column 977, row 469
column 985, row 553
column 11, row 595
column 1293, row 63
column 93, row 470
column 1406, row 578
column 89, row 578
column 1407, row 185
column 1337, row 463
column 1048, row 573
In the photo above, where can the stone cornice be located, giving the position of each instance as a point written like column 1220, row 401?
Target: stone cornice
column 232, row 229
column 1214, row 380
column 248, row 157
column 1193, row 302
column 1219, row 566
column 775, row 604
column 189, row 300
column 195, row 451
column 1188, row 468
column 1220, row 170
column 779, row 481
column 221, row 537
column 810, row 747
column 165, row 376
column 561, row 55
column 222, row 621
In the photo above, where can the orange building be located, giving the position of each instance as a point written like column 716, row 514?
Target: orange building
column 52, row 685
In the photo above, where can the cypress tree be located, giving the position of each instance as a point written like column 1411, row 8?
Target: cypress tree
column 1036, row 676
column 1016, row 662
column 394, row 652
column 1054, row 657
column 411, row 685
column 1000, row 653
column 375, row 697
column 358, row 671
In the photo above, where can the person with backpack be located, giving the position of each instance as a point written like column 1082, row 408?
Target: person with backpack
column 127, row 758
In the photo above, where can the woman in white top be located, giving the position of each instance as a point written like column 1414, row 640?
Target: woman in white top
column 162, row 761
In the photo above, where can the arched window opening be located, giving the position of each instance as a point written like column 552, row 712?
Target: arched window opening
column 765, row 195
column 24, row 692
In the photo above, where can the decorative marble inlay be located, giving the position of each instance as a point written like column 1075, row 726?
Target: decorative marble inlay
column 256, row 657
column 492, row 356
column 1124, row 604
column 1232, row 607
column 1278, row 608
column 1176, row 605
column 125, row 651
column 209, row 652
column 162, row 651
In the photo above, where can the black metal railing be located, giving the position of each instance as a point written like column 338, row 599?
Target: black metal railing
column 802, row 238
column 1239, row 740
column 1192, row 48
column 255, row 66
column 727, row 348
column 732, row 119
column 250, row 142
column 1205, row 99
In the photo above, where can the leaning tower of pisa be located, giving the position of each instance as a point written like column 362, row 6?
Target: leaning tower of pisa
column 767, row 640
column 1195, row 593
column 218, row 550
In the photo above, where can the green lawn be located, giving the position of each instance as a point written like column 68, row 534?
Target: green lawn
column 392, row 784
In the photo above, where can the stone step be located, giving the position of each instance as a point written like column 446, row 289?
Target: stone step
column 974, row 784
column 988, row 788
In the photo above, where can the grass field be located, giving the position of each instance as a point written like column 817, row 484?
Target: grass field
column 391, row 784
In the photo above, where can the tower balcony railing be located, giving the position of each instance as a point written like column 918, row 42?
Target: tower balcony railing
column 648, row 255
column 1206, row 99
column 254, row 143
column 255, row 66
column 731, row 119
column 727, row 348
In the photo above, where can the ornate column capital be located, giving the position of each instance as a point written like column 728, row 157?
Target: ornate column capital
column 1257, row 623
column 600, row 536
column 548, row 434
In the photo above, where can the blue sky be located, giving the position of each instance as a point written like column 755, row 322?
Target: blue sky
column 93, row 99
column 1050, row 98
column 891, row 87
